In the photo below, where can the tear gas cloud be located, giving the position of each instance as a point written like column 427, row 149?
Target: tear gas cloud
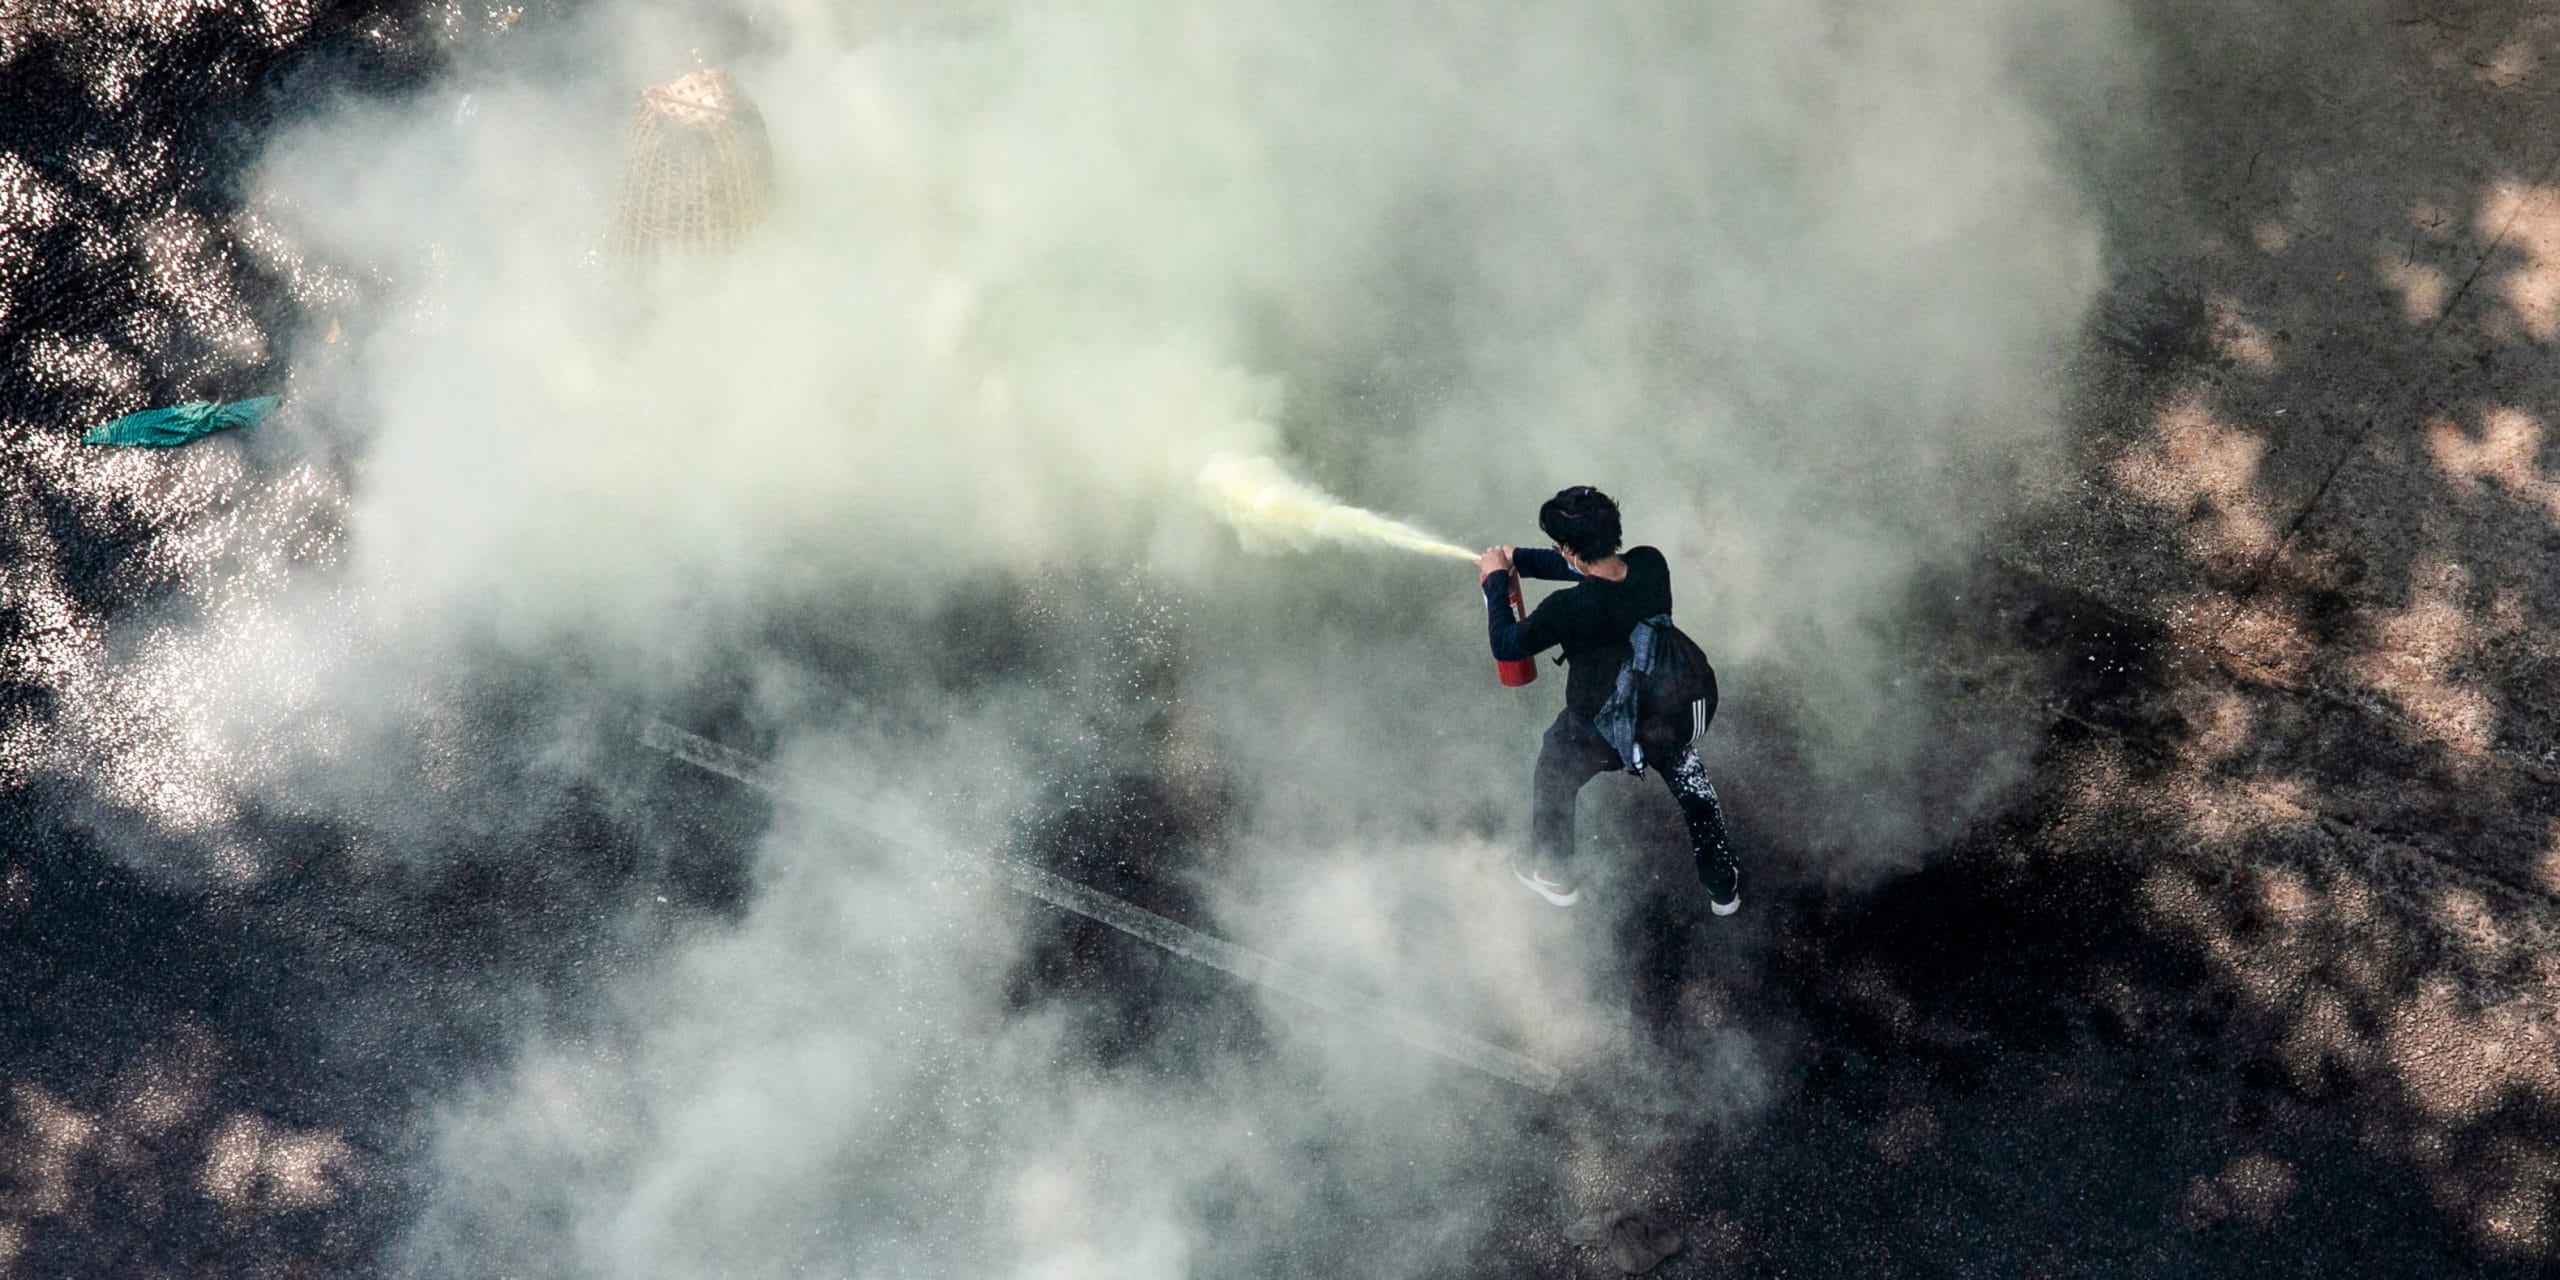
column 1790, row 281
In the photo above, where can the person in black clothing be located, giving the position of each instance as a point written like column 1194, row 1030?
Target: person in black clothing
column 1592, row 621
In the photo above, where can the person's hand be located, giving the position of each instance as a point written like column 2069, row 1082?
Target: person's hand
column 1494, row 558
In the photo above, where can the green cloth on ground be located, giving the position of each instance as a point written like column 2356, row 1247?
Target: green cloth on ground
column 167, row 428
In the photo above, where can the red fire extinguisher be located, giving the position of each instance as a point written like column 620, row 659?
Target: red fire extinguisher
column 1520, row 672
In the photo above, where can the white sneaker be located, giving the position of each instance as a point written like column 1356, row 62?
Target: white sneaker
column 1729, row 905
column 1554, row 893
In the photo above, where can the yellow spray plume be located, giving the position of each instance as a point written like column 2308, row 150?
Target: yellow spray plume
column 1270, row 509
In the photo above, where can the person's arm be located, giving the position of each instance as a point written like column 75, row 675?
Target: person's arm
column 1538, row 562
column 1515, row 641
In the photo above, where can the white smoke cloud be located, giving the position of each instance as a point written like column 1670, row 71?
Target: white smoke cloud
column 1790, row 281
column 840, row 1082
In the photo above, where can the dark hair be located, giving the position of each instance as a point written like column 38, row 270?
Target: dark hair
column 1584, row 520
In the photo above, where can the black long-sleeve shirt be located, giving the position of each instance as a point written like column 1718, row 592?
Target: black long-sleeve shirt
column 1590, row 619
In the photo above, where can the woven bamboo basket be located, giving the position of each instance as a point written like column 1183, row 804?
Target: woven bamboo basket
column 698, row 171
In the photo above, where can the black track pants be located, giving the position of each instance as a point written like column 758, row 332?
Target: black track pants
column 1575, row 753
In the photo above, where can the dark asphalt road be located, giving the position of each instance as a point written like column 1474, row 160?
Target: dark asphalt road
column 2255, row 977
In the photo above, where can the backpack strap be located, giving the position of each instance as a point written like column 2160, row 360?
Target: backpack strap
column 1616, row 718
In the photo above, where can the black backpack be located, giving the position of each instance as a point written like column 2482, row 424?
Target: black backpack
column 1665, row 695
